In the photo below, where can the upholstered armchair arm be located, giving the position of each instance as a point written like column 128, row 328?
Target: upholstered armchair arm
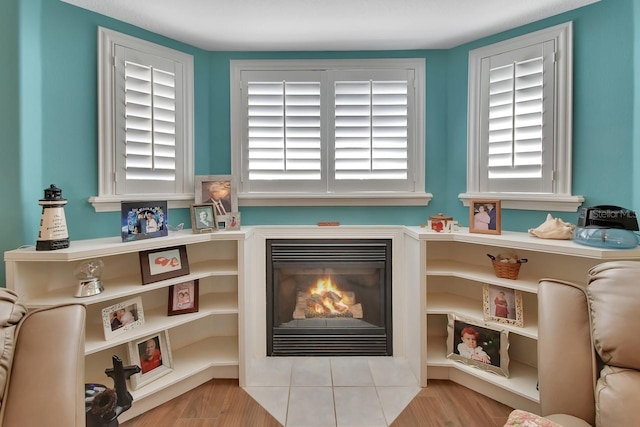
column 566, row 358
column 46, row 383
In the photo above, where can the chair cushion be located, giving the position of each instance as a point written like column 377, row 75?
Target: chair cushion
column 613, row 294
column 617, row 394
column 11, row 313
column 522, row 418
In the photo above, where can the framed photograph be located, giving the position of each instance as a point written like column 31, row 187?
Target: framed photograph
column 143, row 220
column 233, row 221
column 478, row 344
column 183, row 298
column 485, row 217
column 203, row 218
column 502, row 305
column 153, row 355
column 162, row 264
column 219, row 190
column 121, row 317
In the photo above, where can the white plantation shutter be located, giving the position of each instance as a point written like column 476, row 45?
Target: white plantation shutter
column 518, row 128
column 150, row 131
column 371, row 136
column 149, row 149
column 328, row 131
column 284, row 130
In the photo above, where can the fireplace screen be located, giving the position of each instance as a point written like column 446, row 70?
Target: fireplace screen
column 329, row 297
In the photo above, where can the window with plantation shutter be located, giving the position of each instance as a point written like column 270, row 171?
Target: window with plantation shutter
column 519, row 137
column 329, row 127
column 371, row 129
column 146, row 123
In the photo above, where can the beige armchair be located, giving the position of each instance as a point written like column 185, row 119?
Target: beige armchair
column 589, row 348
column 41, row 364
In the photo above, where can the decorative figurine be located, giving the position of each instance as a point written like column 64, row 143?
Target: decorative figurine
column 53, row 224
column 88, row 274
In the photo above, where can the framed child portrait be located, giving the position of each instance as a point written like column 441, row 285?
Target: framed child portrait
column 485, row 216
column 162, row 264
column 478, row 344
column 121, row 317
column 153, row 355
column 183, row 298
column 502, row 305
column 203, row 218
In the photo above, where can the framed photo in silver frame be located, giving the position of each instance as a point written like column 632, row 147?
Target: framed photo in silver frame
column 153, row 355
column 478, row 344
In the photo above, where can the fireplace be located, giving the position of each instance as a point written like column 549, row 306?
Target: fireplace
column 329, row 297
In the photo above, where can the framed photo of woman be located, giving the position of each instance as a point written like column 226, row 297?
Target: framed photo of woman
column 485, row 216
column 502, row 305
column 203, row 218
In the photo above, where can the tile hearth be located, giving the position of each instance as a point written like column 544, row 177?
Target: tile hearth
column 332, row 391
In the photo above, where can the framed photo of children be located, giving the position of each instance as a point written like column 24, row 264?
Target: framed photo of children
column 218, row 190
column 485, row 216
column 183, row 298
column 478, row 344
column 121, row 317
column 143, row 220
column 162, row 264
column 502, row 305
column 153, row 354
column 203, row 218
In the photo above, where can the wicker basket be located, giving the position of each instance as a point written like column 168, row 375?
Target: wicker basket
column 506, row 270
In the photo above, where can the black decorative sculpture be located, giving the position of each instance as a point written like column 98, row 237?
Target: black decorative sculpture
column 103, row 405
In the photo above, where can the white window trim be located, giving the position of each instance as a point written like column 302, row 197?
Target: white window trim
column 107, row 200
column 417, row 198
column 562, row 199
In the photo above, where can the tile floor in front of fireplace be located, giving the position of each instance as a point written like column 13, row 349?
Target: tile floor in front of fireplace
column 332, row 391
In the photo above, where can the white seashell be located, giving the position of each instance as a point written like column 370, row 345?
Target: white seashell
column 553, row 228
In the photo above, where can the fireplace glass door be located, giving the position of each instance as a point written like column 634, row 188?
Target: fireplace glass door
column 329, row 297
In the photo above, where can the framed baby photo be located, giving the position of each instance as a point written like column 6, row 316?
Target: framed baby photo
column 478, row 344
column 153, row 355
column 203, row 218
column 233, row 221
column 143, row 220
column 183, row 298
column 220, row 190
column 485, row 216
column 121, row 317
column 162, row 264
column 502, row 305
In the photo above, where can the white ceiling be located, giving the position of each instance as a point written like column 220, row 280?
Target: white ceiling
column 308, row 25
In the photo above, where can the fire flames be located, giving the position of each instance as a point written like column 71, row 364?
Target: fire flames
column 325, row 299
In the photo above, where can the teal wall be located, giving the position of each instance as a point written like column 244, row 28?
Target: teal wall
column 48, row 114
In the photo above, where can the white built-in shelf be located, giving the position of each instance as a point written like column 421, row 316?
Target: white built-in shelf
column 522, row 379
column 524, row 241
column 187, row 362
column 527, row 281
column 126, row 286
column 108, row 246
column 444, row 303
column 192, row 359
column 157, row 320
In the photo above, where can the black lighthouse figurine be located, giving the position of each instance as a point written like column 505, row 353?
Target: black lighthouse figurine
column 53, row 232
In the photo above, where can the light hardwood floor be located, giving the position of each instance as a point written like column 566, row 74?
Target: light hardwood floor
column 222, row 403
